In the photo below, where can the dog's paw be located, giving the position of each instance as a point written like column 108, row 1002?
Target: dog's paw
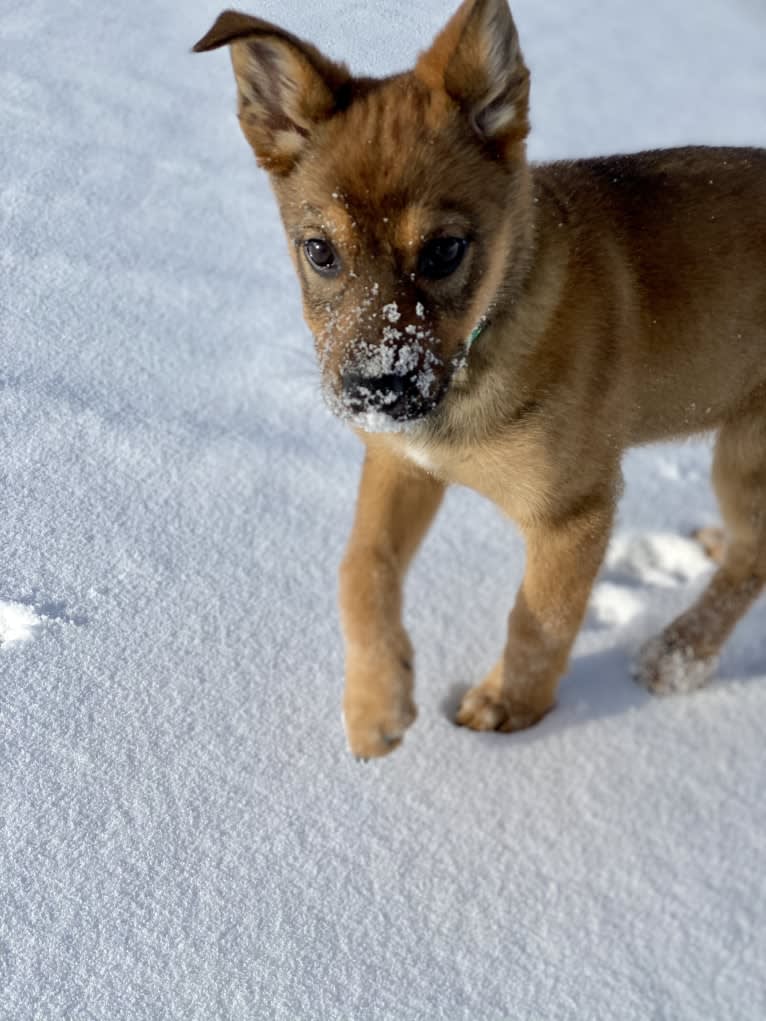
column 665, row 668
column 713, row 543
column 378, row 704
column 483, row 708
column 374, row 727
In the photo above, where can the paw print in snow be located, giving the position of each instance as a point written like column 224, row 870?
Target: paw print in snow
column 637, row 569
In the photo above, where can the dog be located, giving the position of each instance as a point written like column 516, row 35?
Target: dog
column 512, row 328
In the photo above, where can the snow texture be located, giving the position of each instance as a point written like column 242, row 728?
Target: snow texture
column 182, row 833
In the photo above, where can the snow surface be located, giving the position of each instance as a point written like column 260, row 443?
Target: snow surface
column 183, row 834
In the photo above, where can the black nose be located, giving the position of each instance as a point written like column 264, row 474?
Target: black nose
column 394, row 395
column 377, row 389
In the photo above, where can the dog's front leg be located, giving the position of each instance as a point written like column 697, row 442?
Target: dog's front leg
column 563, row 559
column 397, row 502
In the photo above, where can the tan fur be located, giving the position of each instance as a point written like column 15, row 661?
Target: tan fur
column 626, row 301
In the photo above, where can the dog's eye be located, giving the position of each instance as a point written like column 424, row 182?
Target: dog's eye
column 441, row 257
column 321, row 255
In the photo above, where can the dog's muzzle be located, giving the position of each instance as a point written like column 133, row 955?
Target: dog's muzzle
column 400, row 397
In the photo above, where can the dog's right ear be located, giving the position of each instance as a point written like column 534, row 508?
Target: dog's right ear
column 477, row 61
column 286, row 86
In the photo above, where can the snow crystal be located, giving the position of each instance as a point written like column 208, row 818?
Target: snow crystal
column 391, row 333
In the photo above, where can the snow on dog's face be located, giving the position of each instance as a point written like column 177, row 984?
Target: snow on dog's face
column 388, row 290
column 397, row 196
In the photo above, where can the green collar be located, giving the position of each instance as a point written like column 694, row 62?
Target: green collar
column 476, row 333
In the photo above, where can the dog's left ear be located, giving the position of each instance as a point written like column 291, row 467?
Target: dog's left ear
column 477, row 61
column 286, row 87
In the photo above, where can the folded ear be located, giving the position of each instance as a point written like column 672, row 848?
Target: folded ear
column 477, row 60
column 286, row 86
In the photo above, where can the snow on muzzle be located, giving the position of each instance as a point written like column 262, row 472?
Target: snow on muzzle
column 399, row 383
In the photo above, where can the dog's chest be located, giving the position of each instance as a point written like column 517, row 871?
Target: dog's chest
column 513, row 474
column 422, row 456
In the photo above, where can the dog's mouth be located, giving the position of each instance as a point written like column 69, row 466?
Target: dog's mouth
column 386, row 388
column 385, row 403
column 401, row 398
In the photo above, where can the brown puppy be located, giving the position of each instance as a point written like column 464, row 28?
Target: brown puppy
column 512, row 329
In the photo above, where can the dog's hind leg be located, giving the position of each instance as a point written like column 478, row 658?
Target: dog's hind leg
column 397, row 502
column 684, row 656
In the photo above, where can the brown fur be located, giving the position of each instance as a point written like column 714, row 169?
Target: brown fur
column 626, row 303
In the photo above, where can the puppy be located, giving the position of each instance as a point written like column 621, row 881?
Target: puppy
column 511, row 328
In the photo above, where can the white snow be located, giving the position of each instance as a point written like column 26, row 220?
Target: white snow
column 182, row 832
column 17, row 622
column 391, row 312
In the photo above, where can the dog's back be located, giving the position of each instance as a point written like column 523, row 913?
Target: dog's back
column 670, row 238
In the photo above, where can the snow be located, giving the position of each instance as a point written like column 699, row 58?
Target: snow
column 183, row 833
column 17, row 622
column 391, row 312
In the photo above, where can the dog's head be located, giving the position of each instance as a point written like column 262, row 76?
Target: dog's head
column 404, row 199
